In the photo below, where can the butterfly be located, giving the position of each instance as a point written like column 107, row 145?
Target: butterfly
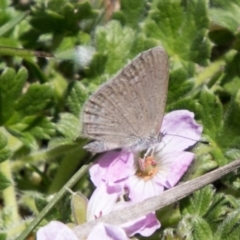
column 127, row 111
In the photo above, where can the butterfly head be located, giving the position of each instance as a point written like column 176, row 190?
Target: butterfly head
column 145, row 143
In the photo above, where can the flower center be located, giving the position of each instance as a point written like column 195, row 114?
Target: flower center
column 147, row 168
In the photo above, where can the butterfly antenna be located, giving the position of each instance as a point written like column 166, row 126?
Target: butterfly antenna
column 199, row 141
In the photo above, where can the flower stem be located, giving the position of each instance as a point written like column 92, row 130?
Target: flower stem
column 56, row 198
column 9, row 197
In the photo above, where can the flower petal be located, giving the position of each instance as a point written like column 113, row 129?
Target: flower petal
column 172, row 166
column 179, row 167
column 145, row 226
column 112, row 167
column 180, row 123
column 139, row 189
column 56, row 231
column 165, row 161
column 107, row 232
column 102, row 202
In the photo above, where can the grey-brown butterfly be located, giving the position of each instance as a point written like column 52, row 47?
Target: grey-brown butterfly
column 127, row 111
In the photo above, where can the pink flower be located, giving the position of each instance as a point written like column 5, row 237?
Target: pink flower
column 59, row 231
column 112, row 168
column 145, row 225
column 162, row 169
column 102, row 203
column 56, row 231
column 116, row 174
column 107, row 232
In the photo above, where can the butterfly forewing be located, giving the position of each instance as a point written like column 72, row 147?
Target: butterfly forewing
column 130, row 106
column 160, row 80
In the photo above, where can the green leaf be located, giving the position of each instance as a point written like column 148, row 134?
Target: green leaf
column 5, row 154
column 3, row 235
column 34, row 68
column 231, row 129
column 38, row 126
column 77, row 95
column 36, row 99
column 26, row 138
column 4, row 182
column 61, row 210
column 227, row 16
column 199, row 203
column 230, row 79
column 84, row 11
column 64, row 209
column 202, row 200
column 217, row 209
column 201, row 229
column 112, row 53
column 57, row 142
column 47, row 20
column 69, row 126
column 225, row 24
column 7, row 42
column 69, row 164
column 234, row 202
column 5, row 15
column 3, row 138
column 180, row 82
column 56, row 17
column 229, row 229
column 12, row 23
column 210, row 113
column 97, row 66
column 203, row 163
column 11, row 85
column 181, row 28
column 5, row 151
column 40, row 203
column 131, row 12
column 57, row 148
column 117, row 48
column 79, row 207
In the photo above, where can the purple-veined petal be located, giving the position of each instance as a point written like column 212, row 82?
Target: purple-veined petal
column 102, row 202
column 182, row 129
column 172, row 166
column 112, row 167
column 145, row 226
column 56, row 231
column 107, row 232
column 180, row 166
column 139, row 189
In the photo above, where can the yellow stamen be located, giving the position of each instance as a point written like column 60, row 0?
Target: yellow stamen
column 147, row 169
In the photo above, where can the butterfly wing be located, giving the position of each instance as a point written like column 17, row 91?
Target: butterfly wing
column 130, row 107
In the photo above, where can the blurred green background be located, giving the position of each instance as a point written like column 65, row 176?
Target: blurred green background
column 41, row 99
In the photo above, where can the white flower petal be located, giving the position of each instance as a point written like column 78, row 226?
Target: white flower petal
column 107, row 232
column 56, row 231
column 101, row 202
column 140, row 189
